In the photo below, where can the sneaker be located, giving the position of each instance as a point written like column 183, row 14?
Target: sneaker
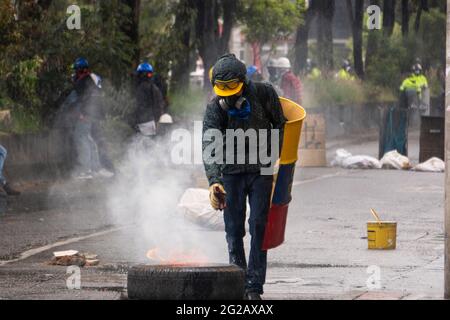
column 103, row 173
column 10, row 191
column 84, row 176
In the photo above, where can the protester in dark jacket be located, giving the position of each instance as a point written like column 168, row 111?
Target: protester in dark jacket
column 149, row 99
column 86, row 104
column 244, row 107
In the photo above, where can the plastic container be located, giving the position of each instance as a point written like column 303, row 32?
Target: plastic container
column 275, row 227
column 277, row 219
column 382, row 235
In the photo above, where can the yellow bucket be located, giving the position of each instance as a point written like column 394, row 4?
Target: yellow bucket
column 295, row 115
column 382, row 235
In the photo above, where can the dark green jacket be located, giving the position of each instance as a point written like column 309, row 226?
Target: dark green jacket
column 266, row 113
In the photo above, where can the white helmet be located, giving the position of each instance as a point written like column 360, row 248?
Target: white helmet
column 166, row 119
column 284, row 63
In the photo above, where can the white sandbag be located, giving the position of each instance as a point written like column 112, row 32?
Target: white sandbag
column 341, row 155
column 431, row 165
column 361, row 162
column 196, row 208
column 346, row 160
column 394, row 160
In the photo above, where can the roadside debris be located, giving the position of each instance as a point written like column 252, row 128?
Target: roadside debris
column 394, row 160
column 346, row 160
column 74, row 258
column 391, row 160
column 432, row 165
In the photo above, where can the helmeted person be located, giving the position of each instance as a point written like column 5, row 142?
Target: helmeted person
column 312, row 72
column 273, row 70
column 86, row 102
column 290, row 84
column 254, row 74
column 416, row 80
column 413, row 88
column 242, row 106
column 150, row 102
column 345, row 73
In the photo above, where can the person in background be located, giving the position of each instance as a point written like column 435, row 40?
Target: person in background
column 86, row 105
column 312, row 72
column 150, row 103
column 241, row 104
column 272, row 68
column 290, row 83
column 254, row 74
column 412, row 90
column 6, row 187
column 346, row 71
column 416, row 80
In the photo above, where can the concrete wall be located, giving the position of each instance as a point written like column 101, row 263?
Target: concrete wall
column 342, row 121
column 45, row 155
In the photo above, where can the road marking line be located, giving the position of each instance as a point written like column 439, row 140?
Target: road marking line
column 32, row 252
column 327, row 176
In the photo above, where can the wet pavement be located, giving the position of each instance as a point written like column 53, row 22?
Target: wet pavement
column 325, row 255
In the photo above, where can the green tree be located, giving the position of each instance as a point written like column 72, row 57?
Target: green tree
column 39, row 49
column 268, row 20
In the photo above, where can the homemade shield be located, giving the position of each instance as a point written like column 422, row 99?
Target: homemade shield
column 276, row 224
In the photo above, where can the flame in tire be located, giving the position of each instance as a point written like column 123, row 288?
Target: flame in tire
column 176, row 257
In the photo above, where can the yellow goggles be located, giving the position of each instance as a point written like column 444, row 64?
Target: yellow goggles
column 227, row 85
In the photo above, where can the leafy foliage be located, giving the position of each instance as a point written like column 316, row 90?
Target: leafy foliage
column 37, row 51
column 395, row 55
column 267, row 20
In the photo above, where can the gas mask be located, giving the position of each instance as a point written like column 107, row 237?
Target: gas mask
column 236, row 106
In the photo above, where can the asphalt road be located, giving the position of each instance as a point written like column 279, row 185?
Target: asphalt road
column 325, row 255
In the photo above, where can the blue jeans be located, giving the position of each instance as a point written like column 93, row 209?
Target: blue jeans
column 258, row 188
column 86, row 147
column 3, row 154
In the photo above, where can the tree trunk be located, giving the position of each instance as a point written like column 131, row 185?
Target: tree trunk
column 372, row 42
column 405, row 17
column 388, row 17
column 182, row 67
column 131, row 29
column 325, row 34
column 423, row 6
column 212, row 38
column 301, row 41
column 44, row 4
column 356, row 19
column 256, row 51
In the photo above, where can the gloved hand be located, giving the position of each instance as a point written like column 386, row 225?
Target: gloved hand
column 217, row 196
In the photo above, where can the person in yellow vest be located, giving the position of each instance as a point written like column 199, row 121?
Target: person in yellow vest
column 415, row 81
column 346, row 72
column 312, row 72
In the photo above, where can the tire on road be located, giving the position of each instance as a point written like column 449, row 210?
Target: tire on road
column 210, row 282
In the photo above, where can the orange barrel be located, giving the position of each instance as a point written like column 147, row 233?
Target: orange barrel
column 276, row 223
